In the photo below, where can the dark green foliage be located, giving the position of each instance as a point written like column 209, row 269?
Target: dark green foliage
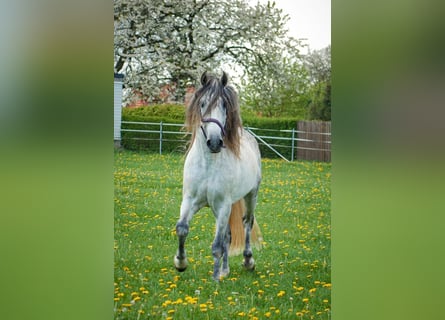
column 320, row 105
column 161, row 112
column 166, row 113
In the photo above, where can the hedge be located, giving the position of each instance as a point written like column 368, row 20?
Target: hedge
column 174, row 113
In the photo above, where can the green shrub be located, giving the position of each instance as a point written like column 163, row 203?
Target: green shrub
column 175, row 114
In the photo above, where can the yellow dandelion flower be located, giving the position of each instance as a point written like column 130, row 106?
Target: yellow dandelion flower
column 281, row 293
column 299, row 314
column 306, row 300
column 267, row 314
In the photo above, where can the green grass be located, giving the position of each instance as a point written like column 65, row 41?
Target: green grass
column 292, row 279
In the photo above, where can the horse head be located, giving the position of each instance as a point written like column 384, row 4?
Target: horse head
column 213, row 111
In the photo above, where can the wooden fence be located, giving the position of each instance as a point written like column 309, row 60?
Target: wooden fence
column 314, row 140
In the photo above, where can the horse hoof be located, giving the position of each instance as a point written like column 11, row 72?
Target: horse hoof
column 217, row 278
column 224, row 273
column 249, row 265
column 180, row 265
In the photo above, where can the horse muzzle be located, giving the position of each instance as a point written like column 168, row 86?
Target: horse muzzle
column 215, row 144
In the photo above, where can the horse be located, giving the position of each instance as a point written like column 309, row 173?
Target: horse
column 222, row 170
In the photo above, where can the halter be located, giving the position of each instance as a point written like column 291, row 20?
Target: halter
column 215, row 121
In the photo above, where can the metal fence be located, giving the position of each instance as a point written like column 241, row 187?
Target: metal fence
column 310, row 141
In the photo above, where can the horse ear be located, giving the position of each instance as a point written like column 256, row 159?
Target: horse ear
column 224, row 79
column 204, row 78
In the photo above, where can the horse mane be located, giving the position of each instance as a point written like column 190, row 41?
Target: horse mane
column 216, row 88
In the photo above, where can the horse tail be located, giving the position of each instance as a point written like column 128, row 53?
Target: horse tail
column 237, row 230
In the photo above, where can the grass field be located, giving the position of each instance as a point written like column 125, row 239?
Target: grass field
column 292, row 279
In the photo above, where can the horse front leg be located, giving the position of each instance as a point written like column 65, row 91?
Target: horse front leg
column 248, row 219
column 182, row 229
column 225, row 259
column 220, row 246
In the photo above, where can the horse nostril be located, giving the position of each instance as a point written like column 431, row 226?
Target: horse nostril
column 215, row 145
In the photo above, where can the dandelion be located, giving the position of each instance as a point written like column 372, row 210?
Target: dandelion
column 267, row 314
column 281, row 293
column 306, row 300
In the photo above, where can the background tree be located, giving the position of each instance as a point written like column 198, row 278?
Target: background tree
column 172, row 42
column 318, row 65
column 277, row 87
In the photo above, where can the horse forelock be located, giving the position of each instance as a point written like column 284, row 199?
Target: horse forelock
column 215, row 90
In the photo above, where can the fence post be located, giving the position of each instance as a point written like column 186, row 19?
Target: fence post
column 293, row 144
column 160, row 137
